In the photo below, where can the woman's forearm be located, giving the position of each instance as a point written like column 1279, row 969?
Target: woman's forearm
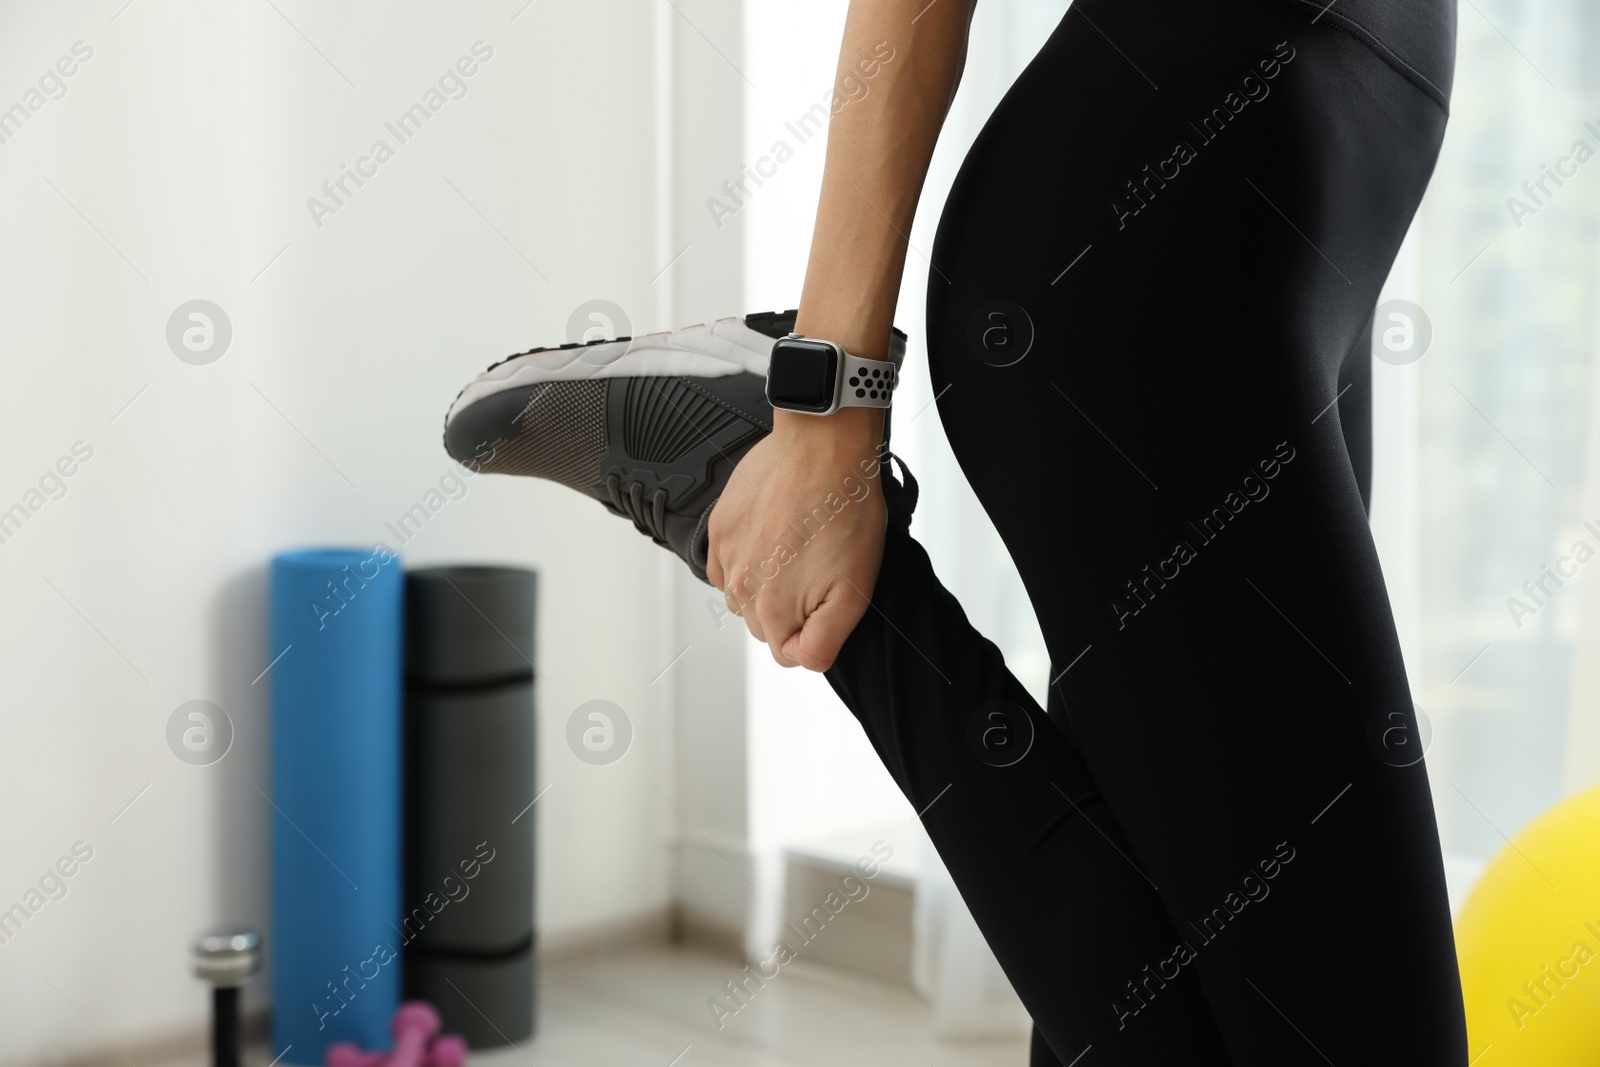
column 879, row 146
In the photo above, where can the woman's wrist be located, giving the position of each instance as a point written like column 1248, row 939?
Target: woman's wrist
column 858, row 334
column 847, row 433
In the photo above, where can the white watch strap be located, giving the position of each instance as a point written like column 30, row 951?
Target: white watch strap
column 867, row 383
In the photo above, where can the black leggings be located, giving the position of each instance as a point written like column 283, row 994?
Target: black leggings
column 1217, row 846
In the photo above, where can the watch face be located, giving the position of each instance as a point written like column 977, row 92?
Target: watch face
column 802, row 374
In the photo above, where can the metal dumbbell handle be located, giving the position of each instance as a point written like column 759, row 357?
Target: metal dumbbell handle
column 226, row 960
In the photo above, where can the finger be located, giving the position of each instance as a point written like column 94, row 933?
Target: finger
column 749, row 607
column 714, row 571
column 775, row 646
column 778, row 622
column 818, row 642
column 740, row 600
column 753, row 624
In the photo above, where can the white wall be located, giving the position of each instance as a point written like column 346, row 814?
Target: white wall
column 714, row 871
column 177, row 166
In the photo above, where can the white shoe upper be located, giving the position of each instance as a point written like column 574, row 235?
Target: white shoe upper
column 726, row 346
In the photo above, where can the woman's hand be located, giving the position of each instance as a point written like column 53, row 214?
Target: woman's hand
column 797, row 537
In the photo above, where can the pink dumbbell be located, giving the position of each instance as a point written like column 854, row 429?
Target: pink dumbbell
column 414, row 1026
column 447, row 1050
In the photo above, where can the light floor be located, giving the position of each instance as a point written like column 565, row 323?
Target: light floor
column 647, row 1008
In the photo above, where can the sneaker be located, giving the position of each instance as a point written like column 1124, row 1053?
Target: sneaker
column 650, row 426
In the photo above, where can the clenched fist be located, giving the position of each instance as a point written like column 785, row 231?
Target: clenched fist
column 797, row 536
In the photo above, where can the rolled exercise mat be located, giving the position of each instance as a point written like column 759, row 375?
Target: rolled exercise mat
column 336, row 763
column 468, row 922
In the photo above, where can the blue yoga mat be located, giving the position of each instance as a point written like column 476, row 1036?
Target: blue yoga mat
column 336, row 736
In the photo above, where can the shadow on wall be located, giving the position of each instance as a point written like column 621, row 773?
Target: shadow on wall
column 236, row 655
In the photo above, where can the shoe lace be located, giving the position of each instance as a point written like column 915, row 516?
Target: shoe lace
column 649, row 516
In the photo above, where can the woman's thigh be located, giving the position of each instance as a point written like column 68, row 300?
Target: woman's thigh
column 1149, row 272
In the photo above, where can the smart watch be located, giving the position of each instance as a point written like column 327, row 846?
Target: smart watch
column 818, row 377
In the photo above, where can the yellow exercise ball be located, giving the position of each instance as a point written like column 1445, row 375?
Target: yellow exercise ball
column 1529, row 945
